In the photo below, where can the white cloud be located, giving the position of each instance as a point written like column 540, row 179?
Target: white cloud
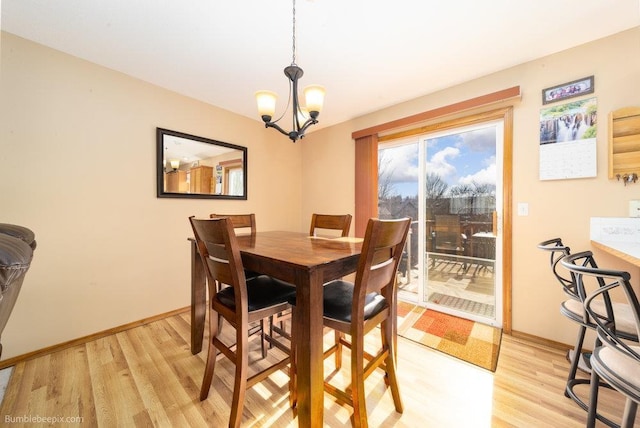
column 479, row 140
column 439, row 163
column 401, row 162
column 484, row 176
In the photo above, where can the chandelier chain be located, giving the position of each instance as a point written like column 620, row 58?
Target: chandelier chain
column 293, row 59
column 314, row 95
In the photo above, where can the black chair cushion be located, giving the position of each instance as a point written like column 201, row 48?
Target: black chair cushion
column 249, row 274
column 338, row 298
column 262, row 292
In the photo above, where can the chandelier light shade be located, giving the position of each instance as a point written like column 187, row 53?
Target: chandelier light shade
column 266, row 104
column 314, row 97
column 302, row 116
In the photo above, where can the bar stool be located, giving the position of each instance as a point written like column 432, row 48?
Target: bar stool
column 240, row 304
column 571, row 308
column 619, row 318
column 357, row 308
column 246, row 223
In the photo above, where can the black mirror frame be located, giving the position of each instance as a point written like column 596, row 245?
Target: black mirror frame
column 161, row 193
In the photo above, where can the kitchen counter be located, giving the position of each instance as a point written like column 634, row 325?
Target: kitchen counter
column 619, row 236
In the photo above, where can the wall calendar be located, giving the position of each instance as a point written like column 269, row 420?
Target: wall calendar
column 568, row 140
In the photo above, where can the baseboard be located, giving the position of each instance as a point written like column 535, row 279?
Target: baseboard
column 82, row 340
column 540, row 340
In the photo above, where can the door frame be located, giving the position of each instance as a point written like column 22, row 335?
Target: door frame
column 423, row 283
column 367, row 171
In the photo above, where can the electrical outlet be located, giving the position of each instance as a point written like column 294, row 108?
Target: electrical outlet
column 634, row 208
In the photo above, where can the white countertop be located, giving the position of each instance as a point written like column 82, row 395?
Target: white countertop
column 619, row 234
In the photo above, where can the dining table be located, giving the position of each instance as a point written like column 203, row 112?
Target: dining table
column 306, row 262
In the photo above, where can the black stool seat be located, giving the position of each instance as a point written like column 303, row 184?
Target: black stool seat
column 262, row 292
column 337, row 298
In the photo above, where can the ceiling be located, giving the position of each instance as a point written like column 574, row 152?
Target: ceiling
column 369, row 54
column 187, row 150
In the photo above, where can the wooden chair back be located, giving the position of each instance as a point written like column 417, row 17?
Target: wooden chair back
column 381, row 252
column 448, row 234
column 240, row 221
column 218, row 248
column 341, row 223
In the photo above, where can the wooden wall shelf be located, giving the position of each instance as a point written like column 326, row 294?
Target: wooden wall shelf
column 624, row 142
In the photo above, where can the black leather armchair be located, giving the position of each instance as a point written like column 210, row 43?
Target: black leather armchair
column 16, row 252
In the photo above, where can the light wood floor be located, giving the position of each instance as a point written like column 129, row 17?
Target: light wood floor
column 147, row 376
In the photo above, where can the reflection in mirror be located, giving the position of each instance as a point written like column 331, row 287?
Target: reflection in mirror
column 197, row 167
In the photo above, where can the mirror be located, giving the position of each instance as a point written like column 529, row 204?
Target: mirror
column 197, row 167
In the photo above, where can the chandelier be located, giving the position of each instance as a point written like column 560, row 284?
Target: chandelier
column 303, row 116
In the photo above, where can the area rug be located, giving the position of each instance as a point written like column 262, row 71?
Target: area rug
column 470, row 341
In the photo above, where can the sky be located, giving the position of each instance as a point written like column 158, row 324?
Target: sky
column 461, row 158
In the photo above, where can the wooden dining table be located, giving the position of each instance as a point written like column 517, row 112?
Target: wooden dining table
column 306, row 262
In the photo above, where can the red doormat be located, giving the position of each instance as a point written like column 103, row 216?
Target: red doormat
column 470, row 341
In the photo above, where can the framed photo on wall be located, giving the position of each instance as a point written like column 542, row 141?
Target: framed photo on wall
column 568, row 90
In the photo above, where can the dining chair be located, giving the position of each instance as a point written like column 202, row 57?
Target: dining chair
column 449, row 242
column 243, row 223
column 240, row 221
column 246, row 223
column 240, row 304
column 615, row 359
column 449, row 235
column 324, row 222
column 354, row 309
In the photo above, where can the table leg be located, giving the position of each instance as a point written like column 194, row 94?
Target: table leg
column 198, row 299
column 309, row 351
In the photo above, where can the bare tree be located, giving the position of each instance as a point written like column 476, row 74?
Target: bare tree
column 473, row 198
column 386, row 189
column 473, row 189
column 436, row 187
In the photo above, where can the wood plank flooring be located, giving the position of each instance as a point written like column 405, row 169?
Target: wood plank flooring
column 147, row 376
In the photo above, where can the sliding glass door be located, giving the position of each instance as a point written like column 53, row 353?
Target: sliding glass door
column 450, row 184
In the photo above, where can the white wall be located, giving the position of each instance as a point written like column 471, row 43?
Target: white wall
column 77, row 149
column 78, row 153
column 558, row 208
